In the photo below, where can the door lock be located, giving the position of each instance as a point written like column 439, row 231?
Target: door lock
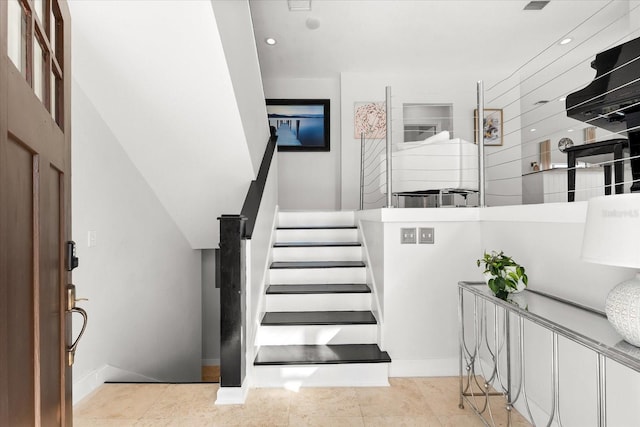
column 72, row 259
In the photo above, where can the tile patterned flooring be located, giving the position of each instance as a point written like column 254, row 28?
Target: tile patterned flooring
column 420, row 402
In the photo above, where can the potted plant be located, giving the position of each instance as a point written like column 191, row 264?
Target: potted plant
column 503, row 275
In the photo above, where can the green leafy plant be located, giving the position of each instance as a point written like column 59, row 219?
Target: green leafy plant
column 503, row 274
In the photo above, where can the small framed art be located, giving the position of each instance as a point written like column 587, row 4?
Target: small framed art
column 493, row 133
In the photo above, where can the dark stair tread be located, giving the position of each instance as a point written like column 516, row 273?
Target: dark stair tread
column 320, row 227
column 313, row 244
column 320, row 354
column 297, row 318
column 317, row 264
column 329, row 288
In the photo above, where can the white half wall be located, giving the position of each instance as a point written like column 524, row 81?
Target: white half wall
column 141, row 276
column 419, row 292
column 310, row 180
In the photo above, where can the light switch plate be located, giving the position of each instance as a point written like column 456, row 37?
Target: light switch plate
column 426, row 236
column 407, row 235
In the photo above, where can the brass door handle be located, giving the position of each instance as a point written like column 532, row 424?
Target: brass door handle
column 71, row 308
column 71, row 350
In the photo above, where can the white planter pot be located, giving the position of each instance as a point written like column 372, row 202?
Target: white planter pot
column 521, row 286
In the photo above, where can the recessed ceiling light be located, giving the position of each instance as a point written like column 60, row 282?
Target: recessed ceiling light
column 532, row 130
column 566, row 41
column 270, row 41
column 562, row 99
column 569, row 130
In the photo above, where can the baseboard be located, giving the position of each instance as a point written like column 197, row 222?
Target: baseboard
column 424, row 368
column 232, row 395
column 210, row 362
column 87, row 384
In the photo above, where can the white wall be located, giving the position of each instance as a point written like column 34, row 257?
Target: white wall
column 142, row 277
column 420, row 327
column 233, row 18
column 419, row 287
column 547, row 239
column 157, row 73
column 309, row 180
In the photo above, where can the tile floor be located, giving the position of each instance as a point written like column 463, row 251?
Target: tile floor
column 423, row 402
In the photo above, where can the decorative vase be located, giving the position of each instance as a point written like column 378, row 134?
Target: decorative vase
column 623, row 310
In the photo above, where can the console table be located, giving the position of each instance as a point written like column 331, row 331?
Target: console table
column 585, row 326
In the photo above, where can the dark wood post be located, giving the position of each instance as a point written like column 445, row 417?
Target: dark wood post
column 232, row 300
column 633, row 122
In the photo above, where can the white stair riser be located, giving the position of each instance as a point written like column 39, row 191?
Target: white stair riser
column 328, row 253
column 293, row 377
column 317, row 235
column 316, row 334
column 284, row 276
column 318, row 302
column 315, row 219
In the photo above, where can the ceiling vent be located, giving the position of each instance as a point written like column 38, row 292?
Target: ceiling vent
column 541, row 102
column 299, row 5
column 536, row 5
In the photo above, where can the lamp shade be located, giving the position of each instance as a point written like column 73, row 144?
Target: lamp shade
column 612, row 231
column 612, row 237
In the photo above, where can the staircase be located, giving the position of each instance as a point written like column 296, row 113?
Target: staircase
column 318, row 329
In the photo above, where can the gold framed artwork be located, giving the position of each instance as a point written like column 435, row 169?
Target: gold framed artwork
column 493, row 131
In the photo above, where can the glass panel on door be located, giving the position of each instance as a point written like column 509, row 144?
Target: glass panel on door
column 17, row 35
column 39, row 71
column 38, row 6
column 53, row 109
column 52, row 32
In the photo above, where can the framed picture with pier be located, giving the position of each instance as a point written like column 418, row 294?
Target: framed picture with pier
column 300, row 124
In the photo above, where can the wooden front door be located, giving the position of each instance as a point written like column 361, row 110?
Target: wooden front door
column 35, row 219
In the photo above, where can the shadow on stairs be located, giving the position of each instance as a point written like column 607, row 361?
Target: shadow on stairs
column 318, row 329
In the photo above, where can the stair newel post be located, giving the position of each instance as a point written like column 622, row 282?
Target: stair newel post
column 232, row 300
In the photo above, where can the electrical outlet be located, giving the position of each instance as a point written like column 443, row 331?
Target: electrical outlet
column 407, row 235
column 92, row 239
column 427, row 236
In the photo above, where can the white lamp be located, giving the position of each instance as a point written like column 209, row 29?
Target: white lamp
column 612, row 237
